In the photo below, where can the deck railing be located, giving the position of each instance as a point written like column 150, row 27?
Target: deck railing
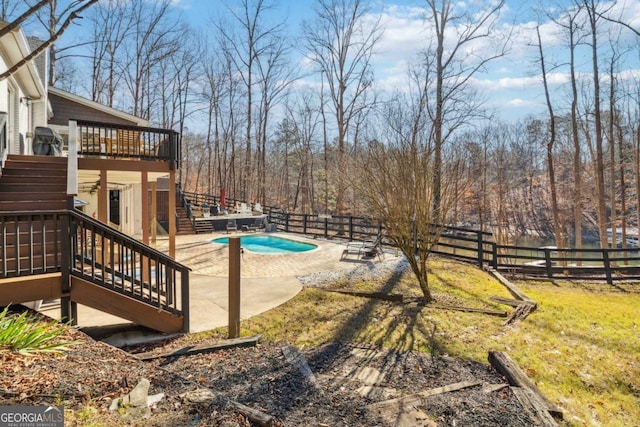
column 75, row 244
column 31, row 242
column 109, row 140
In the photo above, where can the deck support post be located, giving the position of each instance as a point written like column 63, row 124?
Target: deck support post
column 103, row 198
column 154, row 211
column 234, row 287
column 172, row 214
column 144, row 206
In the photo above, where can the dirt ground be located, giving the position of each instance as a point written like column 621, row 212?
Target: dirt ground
column 349, row 381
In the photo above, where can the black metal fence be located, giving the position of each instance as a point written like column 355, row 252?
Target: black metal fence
column 479, row 247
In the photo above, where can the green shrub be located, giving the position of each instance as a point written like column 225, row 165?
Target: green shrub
column 25, row 334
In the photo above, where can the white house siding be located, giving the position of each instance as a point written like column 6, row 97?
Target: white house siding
column 23, row 95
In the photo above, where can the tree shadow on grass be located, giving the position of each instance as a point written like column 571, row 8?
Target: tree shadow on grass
column 473, row 295
column 406, row 331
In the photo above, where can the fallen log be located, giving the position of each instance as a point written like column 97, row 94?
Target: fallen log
column 297, row 360
column 471, row 310
column 374, row 295
column 490, row 388
column 532, row 405
column 254, row 415
column 416, row 398
column 203, row 348
column 508, row 301
column 520, row 313
column 513, row 289
column 502, row 363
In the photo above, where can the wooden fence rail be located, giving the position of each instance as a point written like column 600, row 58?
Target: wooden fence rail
column 478, row 247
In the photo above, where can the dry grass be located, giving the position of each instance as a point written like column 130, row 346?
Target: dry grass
column 581, row 347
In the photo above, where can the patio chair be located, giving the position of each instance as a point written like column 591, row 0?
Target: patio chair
column 372, row 249
column 365, row 248
column 232, row 226
column 258, row 224
column 244, row 209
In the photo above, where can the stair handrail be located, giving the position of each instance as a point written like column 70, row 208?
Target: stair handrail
column 135, row 276
column 73, row 255
column 101, row 225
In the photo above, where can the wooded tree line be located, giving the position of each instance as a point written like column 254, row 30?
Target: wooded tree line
column 270, row 127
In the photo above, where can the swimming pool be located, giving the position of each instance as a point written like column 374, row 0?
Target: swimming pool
column 269, row 244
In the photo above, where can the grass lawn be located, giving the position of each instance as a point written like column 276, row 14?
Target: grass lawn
column 581, row 347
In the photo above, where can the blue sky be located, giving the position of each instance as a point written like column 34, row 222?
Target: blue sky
column 512, row 85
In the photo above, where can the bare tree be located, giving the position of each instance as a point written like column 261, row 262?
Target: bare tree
column 112, row 24
column 593, row 13
column 572, row 28
column 450, row 67
column 73, row 12
column 403, row 201
column 8, row 9
column 50, row 18
column 341, row 43
column 246, row 46
column 558, row 232
column 275, row 78
column 306, row 117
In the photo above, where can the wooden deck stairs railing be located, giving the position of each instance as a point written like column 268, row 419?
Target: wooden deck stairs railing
column 48, row 251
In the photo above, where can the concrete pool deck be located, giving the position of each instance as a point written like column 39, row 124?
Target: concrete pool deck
column 267, row 280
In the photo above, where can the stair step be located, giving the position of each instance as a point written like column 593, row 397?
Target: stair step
column 30, row 196
column 9, row 239
column 11, row 170
column 41, row 160
column 31, row 205
column 33, row 179
column 27, row 248
column 26, row 187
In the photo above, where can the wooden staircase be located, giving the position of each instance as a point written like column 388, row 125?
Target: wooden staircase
column 33, row 183
column 132, row 281
column 31, row 243
column 204, row 227
column 183, row 223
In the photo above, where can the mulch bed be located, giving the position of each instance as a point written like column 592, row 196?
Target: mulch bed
column 91, row 374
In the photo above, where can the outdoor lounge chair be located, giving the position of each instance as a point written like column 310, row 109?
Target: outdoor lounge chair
column 372, row 249
column 365, row 248
column 232, row 226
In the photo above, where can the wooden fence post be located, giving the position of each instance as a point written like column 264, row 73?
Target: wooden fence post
column 494, row 254
column 607, row 266
column 547, row 262
column 286, row 222
column 350, row 228
column 304, row 224
column 326, row 227
column 480, row 249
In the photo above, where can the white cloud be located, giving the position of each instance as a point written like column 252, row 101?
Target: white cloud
column 520, row 103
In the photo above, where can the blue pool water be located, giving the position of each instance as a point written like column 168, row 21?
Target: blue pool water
column 269, row 244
